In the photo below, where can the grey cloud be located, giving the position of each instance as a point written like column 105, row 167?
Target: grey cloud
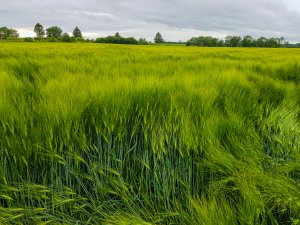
column 255, row 17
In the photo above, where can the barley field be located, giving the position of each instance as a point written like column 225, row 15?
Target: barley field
column 148, row 135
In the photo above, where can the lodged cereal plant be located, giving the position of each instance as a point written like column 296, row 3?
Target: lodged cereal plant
column 148, row 135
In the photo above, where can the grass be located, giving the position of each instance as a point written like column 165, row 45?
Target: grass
column 106, row 134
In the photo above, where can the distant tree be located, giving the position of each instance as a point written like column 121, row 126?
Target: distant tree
column 117, row 39
column 205, row 41
column 66, row 37
column 54, row 32
column 3, row 32
column 7, row 33
column 272, row 43
column 143, row 41
column 247, row 41
column 158, row 38
column 261, row 42
column 117, row 34
column 221, row 43
column 130, row 40
column 39, row 30
column 77, row 33
column 13, row 33
column 233, row 41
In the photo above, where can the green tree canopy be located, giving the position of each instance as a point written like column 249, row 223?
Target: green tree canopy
column 54, row 32
column 66, row 37
column 117, row 39
column 77, row 33
column 6, row 33
column 233, row 41
column 237, row 41
column 39, row 30
column 143, row 41
column 203, row 41
column 247, row 41
column 158, row 38
column 261, row 42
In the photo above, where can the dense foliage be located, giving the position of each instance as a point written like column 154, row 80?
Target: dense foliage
column 39, row 30
column 158, row 38
column 8, row 33
column 237, row 41
column 206, row 41
column 107, row 134
column 77, row 33
column 118, row 39
column 54, row 32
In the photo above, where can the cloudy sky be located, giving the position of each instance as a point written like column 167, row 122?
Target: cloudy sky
column 175, row 19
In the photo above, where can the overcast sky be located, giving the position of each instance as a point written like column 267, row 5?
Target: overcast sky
column 175, row 19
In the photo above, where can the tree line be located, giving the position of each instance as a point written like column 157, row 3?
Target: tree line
column 237, row 41
column 55, row 33
column 118, row 39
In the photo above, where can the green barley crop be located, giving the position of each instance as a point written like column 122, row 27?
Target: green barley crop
column 106, row 134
